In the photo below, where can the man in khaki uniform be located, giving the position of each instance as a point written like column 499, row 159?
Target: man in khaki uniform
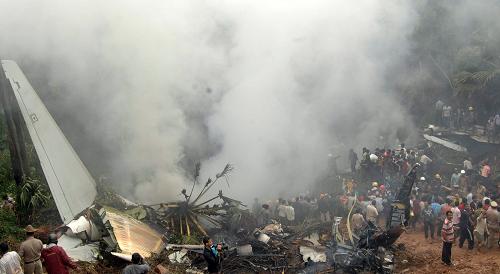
column 31, row 250
column 493, row 224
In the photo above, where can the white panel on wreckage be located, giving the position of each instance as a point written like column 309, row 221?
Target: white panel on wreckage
column 70, row 183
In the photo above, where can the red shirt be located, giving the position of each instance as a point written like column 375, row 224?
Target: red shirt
column 416, row 206
column 461, row 206
column 56, row 261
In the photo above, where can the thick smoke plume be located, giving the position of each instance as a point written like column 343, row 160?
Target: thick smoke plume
column 144, row 89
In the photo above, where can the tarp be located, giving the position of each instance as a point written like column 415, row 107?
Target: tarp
column 70, row 183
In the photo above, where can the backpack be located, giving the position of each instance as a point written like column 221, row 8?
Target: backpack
column 428, row 214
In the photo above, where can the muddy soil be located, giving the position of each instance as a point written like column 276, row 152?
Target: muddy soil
column 422, row 256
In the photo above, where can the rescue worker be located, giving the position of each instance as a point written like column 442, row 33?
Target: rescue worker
column 31, row 250
column 55, row 259
column 493, row 223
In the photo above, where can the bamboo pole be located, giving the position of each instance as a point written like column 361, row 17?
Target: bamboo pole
column 187, row 227
column 206, row 202
column 180, row 225
column 200, row 228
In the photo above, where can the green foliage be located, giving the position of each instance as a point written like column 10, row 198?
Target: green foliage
column 33, row 195
column 8, row 227
column 455, row 57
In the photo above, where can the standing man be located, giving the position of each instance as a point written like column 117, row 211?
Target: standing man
column 493, row 223
column 485, row 172
column 438, row 112
column 10, row 262
column 353, row 159
column 324, row 208
column 466, row 228
column 447, row 116
column 468, row 166
column 266, row 214
column 212, row 255
column 31, row 250
column 429, row 221
column 447, row 234
column 371, row 212
column 55, row 259
column 357, row 222
column 455, row 179
column 456, row 218
column 481, row 229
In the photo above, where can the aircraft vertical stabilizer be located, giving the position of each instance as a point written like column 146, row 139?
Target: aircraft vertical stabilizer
column 72, row 186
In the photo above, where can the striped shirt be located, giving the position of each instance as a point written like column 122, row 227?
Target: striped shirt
column 447, row 231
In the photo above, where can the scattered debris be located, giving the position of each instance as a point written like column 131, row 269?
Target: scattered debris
column 315, row 254
column 179, row 257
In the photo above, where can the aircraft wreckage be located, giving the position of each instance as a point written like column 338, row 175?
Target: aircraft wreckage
column 86, row 223
column 90, row 228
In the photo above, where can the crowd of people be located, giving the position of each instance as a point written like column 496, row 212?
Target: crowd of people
column 454, row 117
column 459, row 118
column 33, row 256
column 461, row 205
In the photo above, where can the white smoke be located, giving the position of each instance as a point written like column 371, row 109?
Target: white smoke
column 145, row 88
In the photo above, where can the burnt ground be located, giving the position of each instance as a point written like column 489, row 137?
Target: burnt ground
column 425, row 257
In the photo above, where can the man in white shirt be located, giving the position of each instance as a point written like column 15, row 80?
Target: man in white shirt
column 469, row 196
column 455, row 178
column 456, row 218
column 447, row 115
column 10, row 263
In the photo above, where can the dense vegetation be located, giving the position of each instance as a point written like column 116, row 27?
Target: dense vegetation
column 455, row 57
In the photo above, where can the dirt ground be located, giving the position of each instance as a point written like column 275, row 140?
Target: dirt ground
column 425, row 257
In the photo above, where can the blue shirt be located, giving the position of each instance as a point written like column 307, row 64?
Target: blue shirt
column 436, row 208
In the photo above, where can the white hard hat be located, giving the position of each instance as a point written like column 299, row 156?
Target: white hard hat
column 422, row 178
column 373, row 157
column 462, row 171
column 374, row 184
